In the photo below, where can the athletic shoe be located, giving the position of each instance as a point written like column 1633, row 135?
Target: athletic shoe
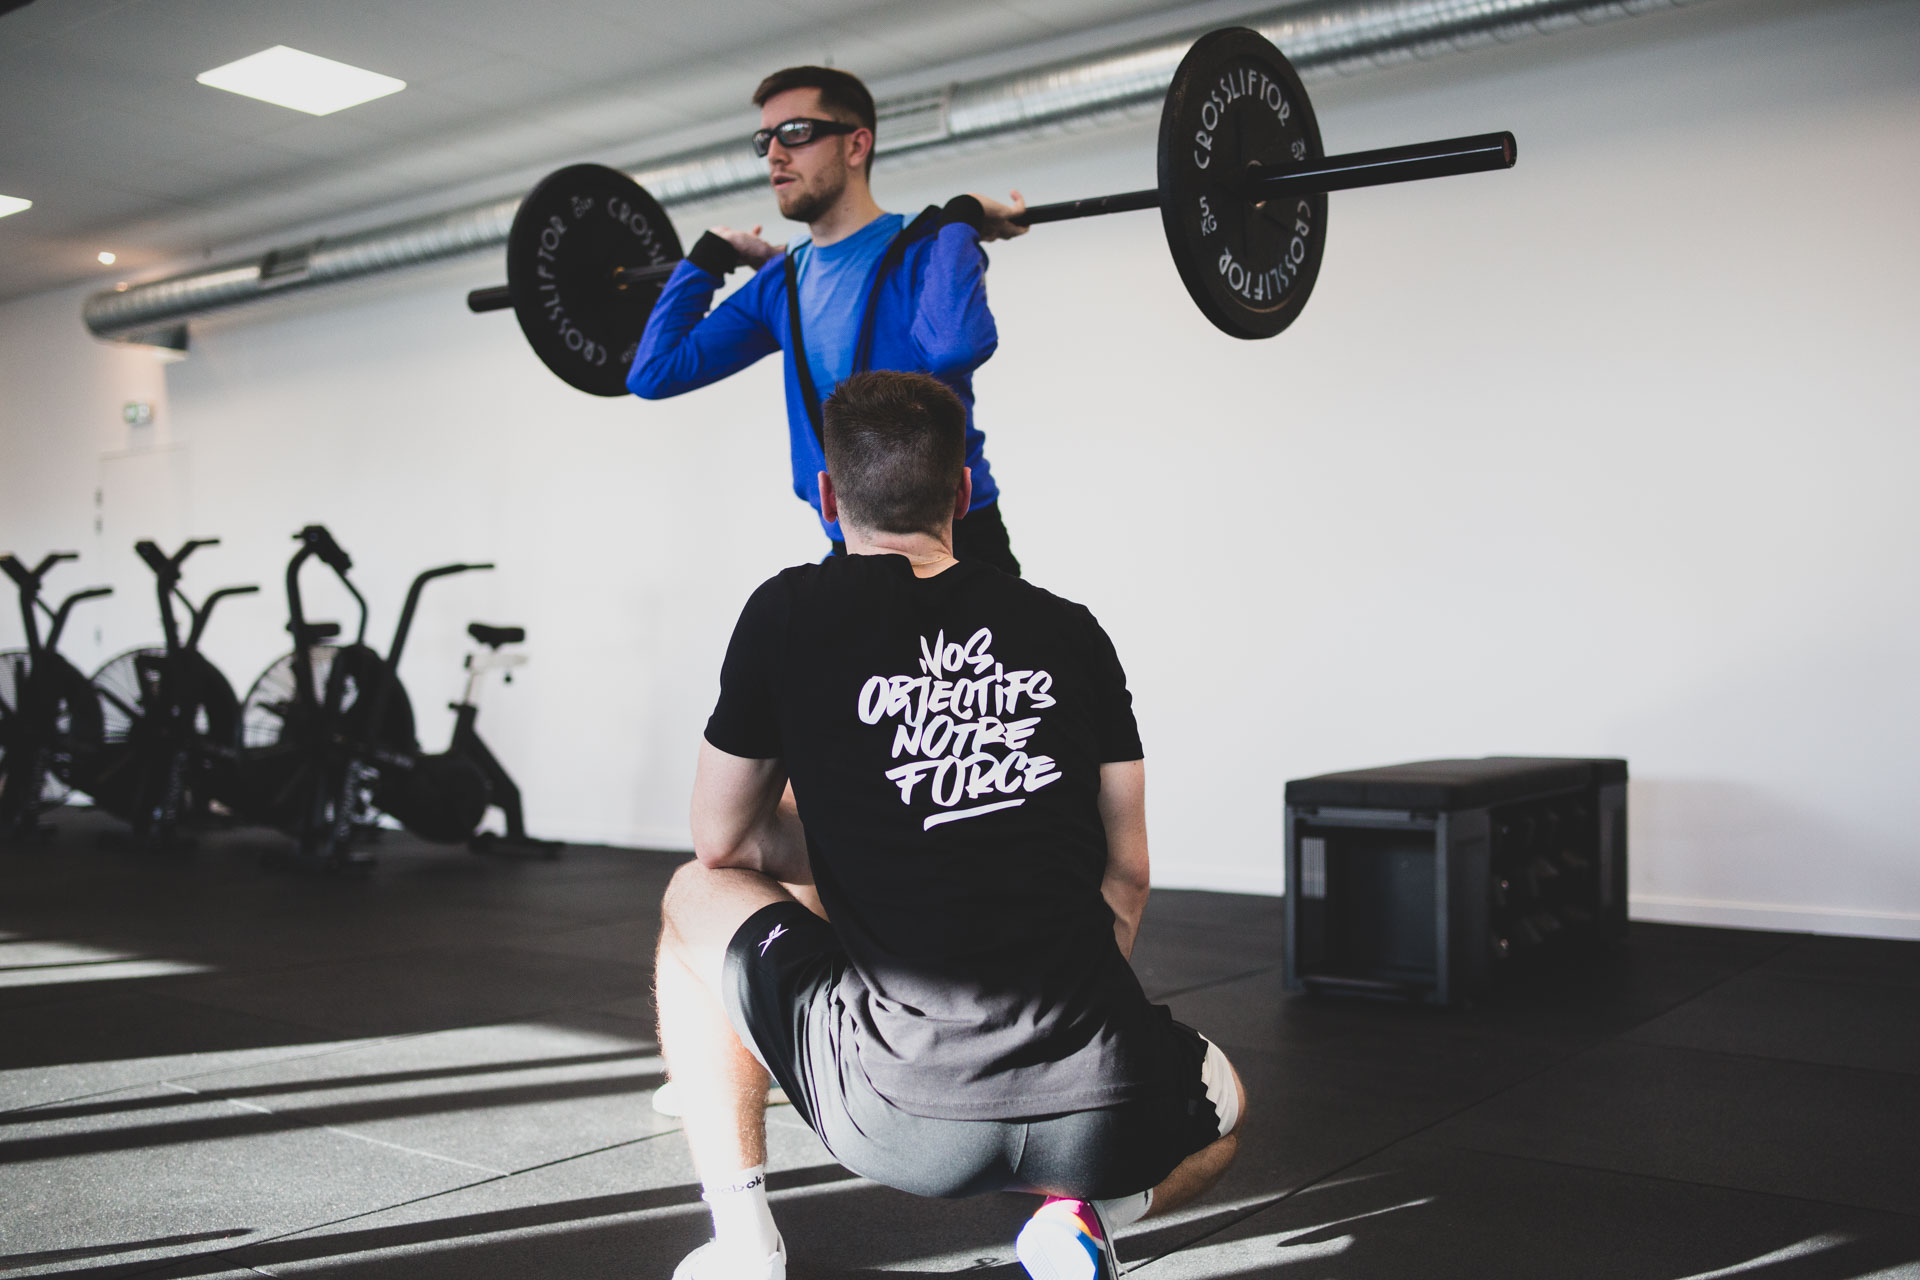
column 666, row 1099
column 1067, row 1240
column 709, row 1263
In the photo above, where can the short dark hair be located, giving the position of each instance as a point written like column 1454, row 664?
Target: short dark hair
column 840, row 91
column 896, row 444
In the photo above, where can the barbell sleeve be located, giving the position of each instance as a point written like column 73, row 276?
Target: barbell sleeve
column 1481, row 153
column 497, row 298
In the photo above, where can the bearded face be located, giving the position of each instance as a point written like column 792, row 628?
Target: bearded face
column 809, row 179
column 813, row 189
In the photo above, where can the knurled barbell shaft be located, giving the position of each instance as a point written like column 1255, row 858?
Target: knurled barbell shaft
column 1445, row 158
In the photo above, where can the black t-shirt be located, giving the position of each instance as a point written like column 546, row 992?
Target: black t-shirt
column 944, row 736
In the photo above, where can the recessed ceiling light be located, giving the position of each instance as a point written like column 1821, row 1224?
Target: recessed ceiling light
column 106, row 259
column 304, row 81
column 13, row 204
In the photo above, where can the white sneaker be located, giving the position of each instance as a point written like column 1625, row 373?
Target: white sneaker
column 710, row 1262
column 1067, row 1240
column 666, row 1099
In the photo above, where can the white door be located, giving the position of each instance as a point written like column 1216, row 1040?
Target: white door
column 144, row 493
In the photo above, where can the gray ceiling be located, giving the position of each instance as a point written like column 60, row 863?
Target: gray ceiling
column 103, row 126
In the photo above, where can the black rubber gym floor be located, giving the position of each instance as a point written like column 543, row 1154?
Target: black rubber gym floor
column 212, row 1068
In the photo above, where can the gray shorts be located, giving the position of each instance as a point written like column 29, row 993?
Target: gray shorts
column 783, row 1006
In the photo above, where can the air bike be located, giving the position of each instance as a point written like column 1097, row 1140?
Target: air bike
column 328, row 742
column 50, row 722
column 170, row 746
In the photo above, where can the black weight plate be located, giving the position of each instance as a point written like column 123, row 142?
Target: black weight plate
column 572, row 232
column 1237, row 101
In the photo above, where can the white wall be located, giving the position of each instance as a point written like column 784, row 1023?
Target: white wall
column 1607, row 455
column 63, row 440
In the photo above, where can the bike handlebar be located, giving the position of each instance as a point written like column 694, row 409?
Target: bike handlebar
column 187, row 548
column 168, row 566
column 413, row 602
column 58, row 617
column 29, row 579
column 444, row 571
column 205, row 610
column 317, row 537
column 316, row 541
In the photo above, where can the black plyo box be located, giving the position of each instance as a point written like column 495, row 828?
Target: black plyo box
column 1431, row 880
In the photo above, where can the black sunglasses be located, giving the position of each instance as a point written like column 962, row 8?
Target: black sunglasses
column 798, row 132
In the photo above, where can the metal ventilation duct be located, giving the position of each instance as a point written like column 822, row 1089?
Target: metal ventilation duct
column 1322, row 40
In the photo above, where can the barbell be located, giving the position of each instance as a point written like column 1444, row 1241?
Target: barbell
column 1242, row 199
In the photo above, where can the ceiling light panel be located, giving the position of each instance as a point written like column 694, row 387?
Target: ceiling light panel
column 303, row 81
column 13, row 204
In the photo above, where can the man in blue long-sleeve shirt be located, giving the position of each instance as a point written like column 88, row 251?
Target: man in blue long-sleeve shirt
column 866, row 289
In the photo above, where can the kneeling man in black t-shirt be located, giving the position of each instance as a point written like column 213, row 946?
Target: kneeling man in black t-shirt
column 968, row 799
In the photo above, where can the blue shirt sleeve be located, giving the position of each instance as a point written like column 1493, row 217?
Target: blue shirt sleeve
column 953, row 330
column 685, row 346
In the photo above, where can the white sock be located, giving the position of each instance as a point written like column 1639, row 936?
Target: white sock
column 1216, row 1075
column 742, row 1218
column 1124, row 1211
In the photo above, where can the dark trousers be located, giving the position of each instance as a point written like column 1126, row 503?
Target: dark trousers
column 981, row 536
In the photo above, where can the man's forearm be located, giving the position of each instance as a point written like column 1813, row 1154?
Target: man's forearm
column 744, row 817
column 783, row 844
column 774, row 844
column 1128, row 901
column 1123, row 814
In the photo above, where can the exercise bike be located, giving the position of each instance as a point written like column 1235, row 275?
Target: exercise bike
column 328, row 742
column 502, row 793
column 171, row 723
column 50, row 720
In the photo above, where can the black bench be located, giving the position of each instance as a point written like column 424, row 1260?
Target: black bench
column 1430, row 880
